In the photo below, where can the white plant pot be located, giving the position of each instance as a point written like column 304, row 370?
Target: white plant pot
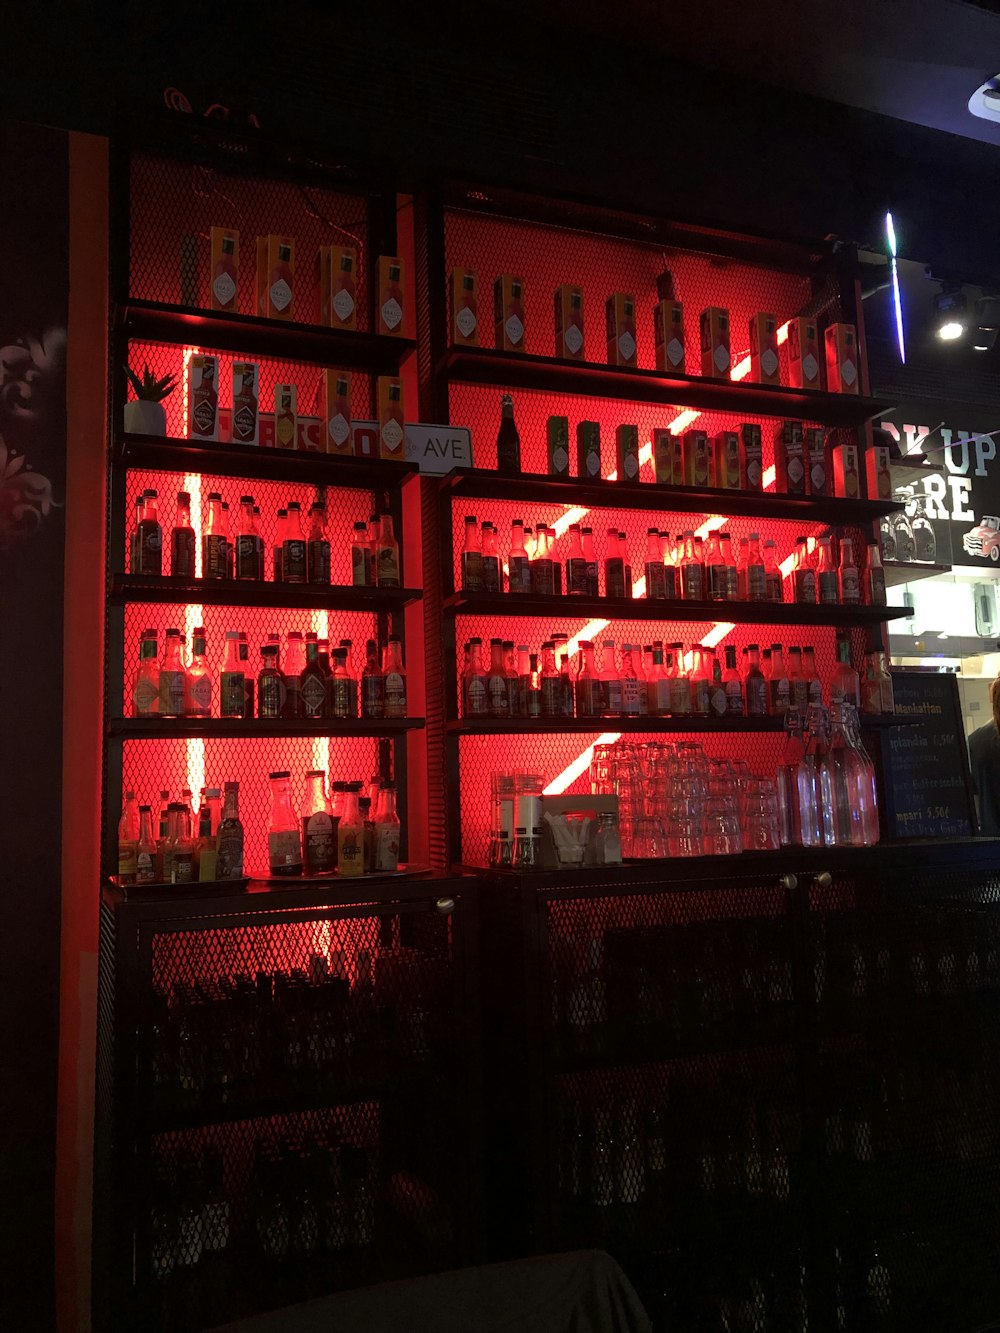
column 145, row 418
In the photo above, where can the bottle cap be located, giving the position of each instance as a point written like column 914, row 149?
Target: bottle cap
column 246, row 499
column 144, row 809
column 316, row 773
column 282, row 773
column 183, row 497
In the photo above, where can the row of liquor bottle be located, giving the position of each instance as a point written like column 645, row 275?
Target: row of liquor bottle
column 300, row 551
column 685, row 568
column 308, row 1195
column 346, row 829
column 657, row 680
column 302, row 685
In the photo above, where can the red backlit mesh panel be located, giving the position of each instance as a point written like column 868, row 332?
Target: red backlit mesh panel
column 343, row 509
column 174, row 205
column 168, row 359
column 149, row 766
column 545, row 257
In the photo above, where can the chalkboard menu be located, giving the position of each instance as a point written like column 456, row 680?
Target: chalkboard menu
column 927, row 783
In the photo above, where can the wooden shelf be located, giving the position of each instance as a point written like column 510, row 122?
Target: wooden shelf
column 483, row 365
column 131, row 588
column 310, row 344
column 538, row 488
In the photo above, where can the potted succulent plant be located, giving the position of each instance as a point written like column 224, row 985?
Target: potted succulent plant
column 144, row 414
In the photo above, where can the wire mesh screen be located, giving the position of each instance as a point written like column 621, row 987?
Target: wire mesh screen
column 293, row 1075
column 174, row 205
column 170, row 359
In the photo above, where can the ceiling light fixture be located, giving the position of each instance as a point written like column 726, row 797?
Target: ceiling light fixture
column 950, row 312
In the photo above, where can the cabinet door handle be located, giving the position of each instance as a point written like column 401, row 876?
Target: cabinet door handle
column 823, row 880
column 789, row 882
column 446, row 906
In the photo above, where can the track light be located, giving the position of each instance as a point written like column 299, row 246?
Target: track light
column 950, row 312
column 986, row 323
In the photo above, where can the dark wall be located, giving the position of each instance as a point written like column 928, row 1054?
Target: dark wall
column 34, row 294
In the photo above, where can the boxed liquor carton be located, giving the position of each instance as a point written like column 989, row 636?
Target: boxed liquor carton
column 588, row 450
column 569, row 322
column 557, row 438
column 334, row 404
column 727, row 461
column 336, row 269
column 841, row 358
column 225, row 267
column 803, row 354
column 815, row 445
column 668, row 458
column 391, row 427
column 627, row 452
column 696, row 459
column 619, row 319
column 246, row 403
column 276, row 277
column 789, row 459
column 668, row 334
column 203, row 397
column 879, row 473
column 846, row 471
column 390, row 295
column 715, row 358
column 464, row 308
column 765, row 368
column 508, row 313
column 753, row 455
column 286, row 431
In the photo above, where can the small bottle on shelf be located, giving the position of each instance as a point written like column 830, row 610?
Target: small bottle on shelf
column 732, row 573
column 372, row 684
column 395, row 679
column 362, row 571
column 230, row 547
column 543, row 567
column 815, row 685
column 295, row 665
column 732, row 684
column 508, row 440
column 614, row 566
column 779, row 686
column 284, row 846
column 798, row 685
column 350, row 834
column 172, row 676
column 475, row 686
column 756, row 571
column 319, row 852
column 182, row 539
column 387, row 830
column 510, row 671
column 716, row 573
column 472, row 557
column 182, row 868
column 827, row 577
column 277, row 550
column 231, row 692
column 490, row 560
column 576, row 564
column 789, row 832
column 145, row 849
column 656, row 581
column 249, row 685
column 198, row 679
column 293, row 546
column 146, row 682
column 772, row 573
column 844, row 683
column 518, row 566
column 214, row 560
column 803, row 574
column 692, row 571
column 875, row 576
column 229, row 863
column 550, row 684
column 342, row 699
column 700, row 683
column 205, row 851
column 850, row 581
column 670, row 575
column 611, row 682
column 680, row 685
column 754, row 683
column 317, row 546
column 496, row 682
column 148, row 540
column 871, row 684
column 128, row 839
column 590, row 555
column 247, row 558
column 565, row 687
column 658, row 685
column 270, row 684
column 718, row 703
column 312, row 682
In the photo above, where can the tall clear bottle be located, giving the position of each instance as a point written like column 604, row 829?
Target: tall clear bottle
column 868, row 797
column 716, row 573
column 247, row 556
column 844, row 683
column 149, row 540
column 812, row 782
column 680, row 685
column 129, row 827
column 362, row 557
column 803, row 574
column 875, row 577
column 372, row 683
column 847, row 784
column 145, row 850
column 789, row 830
column 350, row 834
column 576, row 564
column 496, row 681
column 319, row 849
column 614, row 566
column 754, row 683
column 284, row 846
column 475, row 684
column 232, row 695
column 611, row 682
column 732, row 573
column 779, row 688
column 590, row 556
column 827, row 574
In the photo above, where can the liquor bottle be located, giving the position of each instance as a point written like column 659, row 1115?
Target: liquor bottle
column 716, row 573
column 149, row 540
column 386, row 555
column 656, row 580
column 372, row 684
column 172, row 676
column 229, row 862
column 214, row 539
column 732, row 573
column 869, row 799
column 270, row 684
column 787, row 777
column 313, row 683
column 232, row 698
column 732, row 684
column 875, row 576
column 779, row 687
column 284, row 849
column 543, row 567
column 848, row 780
column 614, row 566
column 490, row 560
column 772, row 573
column 146, row 683
column 496, row 682
column 508, row 440
column 475, row 684
column 756, row 572
column 362, row 573
column 343, row 701
column 680, row 683
column 145, row 849
column 755, row 686
column 182, row 539
column 350, row 834
column 518, row 566
column 798, row 685
column 198, row 679
column 692, row 572
column 472, row 557
column 317, row 546
column 295, row 665
column 718, row 703
column 815, row 685
column 590, row 555
column 803, row 574
column 844, row 683
column 387, row 829
column 182, row 846
column 319, row 852
column 587, row 688
column 700, row 683
column 293, row 546
column 395, row 679
column 277, row 550
column 827, row 577
column 576, row 564
column 850, row 581
column 822, row 825
column 129, row 827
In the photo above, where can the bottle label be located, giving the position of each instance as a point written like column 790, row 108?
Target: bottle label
column 230, row 856
column 734, row 698
column 182, row 553
column 631, row 699
column 514, row 329
column 472, row 571
column 588, row 698
column 343, row 304
column 756, row 696
column 172, row 693
column 718, row 702
column 214, row 557
column 392, row 435
column 543, row 578
column 466, row 322
column 392, row 313
column 150, row 548
column 145, row 696
column 246, row 557
column 284, row 852
column 497, row 689
column 318, row 557
column 780, row 694
column 774, row 589
column 551, row 696
column 520, row 573
column 663, row 696
column 386, row 846
column 613, row 699
column 850, row 587
column 614, row 578
column 718, row 582
column 876, row 585
column 270, row 696
column 626, row 346
column 656, row 582
column 351, row 851
column 144, row 869
column 756, row 583
column 293, row 560
column 491, row 573
column 593, row 588
column 477, row 703
column 319, row 853
column 372, row 696
column 805, row 585
column 127, row 861
column 182, row 867
column 680, row 696
column 692, row 583
column 313, row 692
column 828, row 587
column 576, row 577
column 224, row 288
column 631, row 466
column 341, row 698
column 395, row 694
column 200, row 693
column 699, row 697
column 339, row 429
